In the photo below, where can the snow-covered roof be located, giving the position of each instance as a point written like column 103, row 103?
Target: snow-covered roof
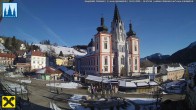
column 141, row 84
column 169, row 68
column 48, row 70
column 152, row 83
column 130, row 84
column 70, row 72
column 99, row 79
column 122, row 83
column 63, row 68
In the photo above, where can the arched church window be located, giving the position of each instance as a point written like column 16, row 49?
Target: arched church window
column 122, row 60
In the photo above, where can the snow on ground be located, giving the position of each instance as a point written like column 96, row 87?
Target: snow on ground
column 11, row 74
column 77, row 97
column 70, row 85
column 65, row 50
column 25, row 81
column 142, row 100
column 53, row 106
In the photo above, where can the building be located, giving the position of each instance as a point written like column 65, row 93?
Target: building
column 37, row 59
column 111, row 53
column 152, row 69
column 191, row 87
column 68, row 74
column 175, row 71
column 22, row 47
column 48, row 73
column 7, row 59
column 169, row 72
column 2, row 41
column 23, row 67
column 62, row 61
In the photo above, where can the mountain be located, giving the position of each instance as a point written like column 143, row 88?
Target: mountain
column 57, row 49
column 185, row 56
column 157, row 58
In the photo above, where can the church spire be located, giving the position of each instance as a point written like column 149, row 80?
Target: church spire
column 116, row 14
column 130, row 33
column 102, row 28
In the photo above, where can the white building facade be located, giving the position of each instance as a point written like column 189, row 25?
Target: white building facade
column 37, row 60
column 115, row 53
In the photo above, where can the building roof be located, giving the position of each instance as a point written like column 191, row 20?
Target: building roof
column 100, row 79
column 20, row 52
column 70, row 72
column 37, row 53
column 91, row 43
column 141, row 84
column 116, row 14
column 48, row 70
column 8, row 55
column 131, row 32
column 102, row 28
column 174, row 67
column 62, row 68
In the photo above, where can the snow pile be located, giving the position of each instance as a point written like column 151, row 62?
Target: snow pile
column 143, row 100
column 74, row 105
column 65, row 50
column 70, row 85
column 53, row 106
column 25, row 81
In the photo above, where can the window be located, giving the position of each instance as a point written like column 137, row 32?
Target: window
column 97, row 61
column 105, row 45
column 136, row 61
column 97, row 68
column 106, row 68
column 106, row 61
column 129, row 61
column 122, row 60
column 105, row 38
column 135, row 67
column 122, row 48
column 97, row 46
column 135, row 46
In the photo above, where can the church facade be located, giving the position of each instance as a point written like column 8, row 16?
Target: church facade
column 111, row 53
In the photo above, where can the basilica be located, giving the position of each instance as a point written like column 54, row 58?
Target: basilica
column 114, row 53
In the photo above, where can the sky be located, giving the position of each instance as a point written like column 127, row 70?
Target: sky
column 161, row 27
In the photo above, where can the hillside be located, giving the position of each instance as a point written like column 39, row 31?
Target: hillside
column 57, row 49
column 183, row 56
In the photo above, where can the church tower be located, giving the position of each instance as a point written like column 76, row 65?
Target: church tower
column 118, row 43
column 133, row 50
column 103, row 50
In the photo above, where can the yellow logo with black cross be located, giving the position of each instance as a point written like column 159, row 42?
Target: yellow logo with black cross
column 8, row 101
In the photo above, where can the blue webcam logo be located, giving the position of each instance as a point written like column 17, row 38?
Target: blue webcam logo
column 9, row 10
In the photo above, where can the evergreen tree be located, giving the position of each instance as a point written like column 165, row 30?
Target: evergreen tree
column 61, row 54
column 14, row 46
